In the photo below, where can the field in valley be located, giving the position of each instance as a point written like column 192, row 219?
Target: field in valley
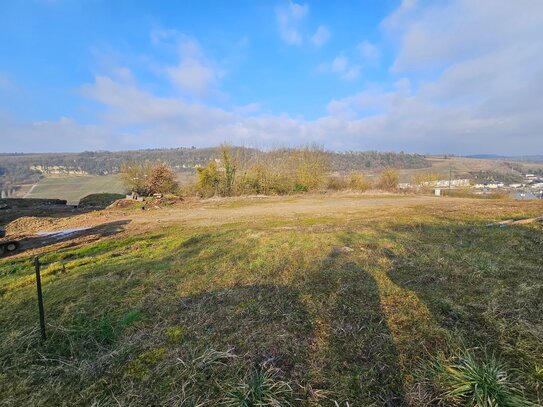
column 72, row 188
column 332, row 300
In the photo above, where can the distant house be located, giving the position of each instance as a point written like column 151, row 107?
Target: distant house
column 492, row 185
column 444, row 183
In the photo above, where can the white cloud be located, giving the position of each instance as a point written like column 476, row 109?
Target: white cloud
column 64, row 135
column 398, row 16
column 370, row 52
column 438, row 35
column 194, row 74
column 341, row 66
column 248, row 109
column 6, row 84
column 484, row 92
column 289, row 18
column 321, row 36
column 352, row 73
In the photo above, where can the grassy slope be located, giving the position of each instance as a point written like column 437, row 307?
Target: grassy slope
column 137, row 319
column 73, row 188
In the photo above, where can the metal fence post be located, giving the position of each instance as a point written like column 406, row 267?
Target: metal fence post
column 40, row 297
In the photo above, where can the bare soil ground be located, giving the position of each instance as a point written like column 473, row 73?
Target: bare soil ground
column 216, row 211
column 129, row 217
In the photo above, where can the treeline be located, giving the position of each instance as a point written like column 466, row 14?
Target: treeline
column 235, row 172
column 375, row 160
column 16, row 169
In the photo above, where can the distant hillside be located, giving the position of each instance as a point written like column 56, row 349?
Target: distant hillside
column 17, row 169
column 532, row 158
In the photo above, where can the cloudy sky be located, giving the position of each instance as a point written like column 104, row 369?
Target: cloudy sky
column 459, row 76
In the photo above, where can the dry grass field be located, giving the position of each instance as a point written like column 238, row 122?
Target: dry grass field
column 315, row 300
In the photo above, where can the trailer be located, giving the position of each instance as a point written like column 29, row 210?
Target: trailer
column 7, row 246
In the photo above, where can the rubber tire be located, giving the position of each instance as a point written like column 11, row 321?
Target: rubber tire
column 11, row 246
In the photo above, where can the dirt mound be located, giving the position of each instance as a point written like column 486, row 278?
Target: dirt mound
column 147, row 203
column 101, row 200
column 125, row 204
column 30, row 224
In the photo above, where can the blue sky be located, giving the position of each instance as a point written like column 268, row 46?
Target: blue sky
column 445, row 76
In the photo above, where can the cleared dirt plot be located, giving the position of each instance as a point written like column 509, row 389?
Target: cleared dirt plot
column 338, row 299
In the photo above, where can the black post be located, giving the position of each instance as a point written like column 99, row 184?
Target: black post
column 450, row 178
column 40, row 297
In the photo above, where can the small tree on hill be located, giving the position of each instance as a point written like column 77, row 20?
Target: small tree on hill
column 311, row 164
column 134, row 176
column 161, row 179
column 230, row 167
column 209, row 179
column 148, row 178
column 389, row 179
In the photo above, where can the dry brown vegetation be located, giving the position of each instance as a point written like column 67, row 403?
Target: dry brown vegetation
column 277, row 172
column 281, row 172
column 389, row 179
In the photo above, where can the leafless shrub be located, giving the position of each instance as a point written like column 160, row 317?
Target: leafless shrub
column 280, row 172
column 358, row 182
column 389, row 179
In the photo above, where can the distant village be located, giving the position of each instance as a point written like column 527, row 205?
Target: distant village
column 530, row 188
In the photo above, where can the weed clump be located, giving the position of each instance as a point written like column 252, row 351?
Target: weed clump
column 261, row 387
column 465, row 380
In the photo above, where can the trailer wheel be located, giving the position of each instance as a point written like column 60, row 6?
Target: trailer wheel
column 11, row 246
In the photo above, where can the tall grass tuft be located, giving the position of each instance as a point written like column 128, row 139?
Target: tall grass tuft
column 467, row 381
column 261, row 387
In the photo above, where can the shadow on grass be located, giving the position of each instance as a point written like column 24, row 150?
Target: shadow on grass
column 123, row 329
column 361, row 362
column 482, row 284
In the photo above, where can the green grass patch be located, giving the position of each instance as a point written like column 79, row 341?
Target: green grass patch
column 313, row 311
